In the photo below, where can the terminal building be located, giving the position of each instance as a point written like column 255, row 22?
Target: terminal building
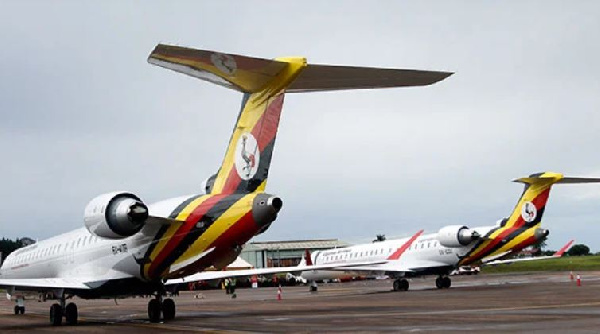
column 284, row 253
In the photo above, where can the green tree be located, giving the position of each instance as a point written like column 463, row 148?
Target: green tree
column 539, row 246
column 7, row 246
column 379, row 238
column 578, row 250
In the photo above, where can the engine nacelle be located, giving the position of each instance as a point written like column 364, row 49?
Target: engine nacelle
column 540, row 233
column 115, row 215
column 457, row 236
column 208, row 184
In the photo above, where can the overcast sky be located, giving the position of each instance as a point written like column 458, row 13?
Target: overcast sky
column 82, row 112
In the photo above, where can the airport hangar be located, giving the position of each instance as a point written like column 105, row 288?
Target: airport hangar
column 284, row 253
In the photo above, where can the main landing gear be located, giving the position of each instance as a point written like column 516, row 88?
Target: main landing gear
column 157, row 306
column 401, row 284
column 443, row 282
column 69, row 311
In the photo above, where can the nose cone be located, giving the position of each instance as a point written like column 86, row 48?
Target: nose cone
column 265, row 209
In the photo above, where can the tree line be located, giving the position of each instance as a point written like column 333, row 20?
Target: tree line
column 8, row 246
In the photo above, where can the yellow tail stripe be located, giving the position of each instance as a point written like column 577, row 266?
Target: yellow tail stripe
column 220, row 226
column 173, row 228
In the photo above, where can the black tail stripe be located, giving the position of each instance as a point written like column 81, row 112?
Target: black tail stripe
column 198, row 230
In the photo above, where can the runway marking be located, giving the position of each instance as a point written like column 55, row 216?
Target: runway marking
column 189, row 328
column 479, row 310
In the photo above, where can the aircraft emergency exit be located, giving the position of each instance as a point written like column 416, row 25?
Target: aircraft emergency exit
column 127, row 247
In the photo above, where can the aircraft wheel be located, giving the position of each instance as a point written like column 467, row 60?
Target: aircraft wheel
column 22, row 309
column 154, row 310
column 439, row 283
column 404, row 284
column 168, row 309
column 446, row 282
column 71, row 314
column 56, row 314
column 396, row 285
column 17, row 309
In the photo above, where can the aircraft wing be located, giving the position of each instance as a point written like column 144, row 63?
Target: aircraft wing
column 83, row 283
column 558, row 254
column 389, row 264
column 509, row 261
column 211, row 275
column 49, row 283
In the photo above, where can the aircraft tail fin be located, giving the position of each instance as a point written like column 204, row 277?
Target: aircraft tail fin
column 264, row 82
column 531, row 205
column 523, row 227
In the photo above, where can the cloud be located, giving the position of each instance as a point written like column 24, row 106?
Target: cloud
column 81, row 112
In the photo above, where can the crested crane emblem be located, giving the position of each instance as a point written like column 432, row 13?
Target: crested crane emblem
column 528, row 212
column 247, row 156
column 225, row 63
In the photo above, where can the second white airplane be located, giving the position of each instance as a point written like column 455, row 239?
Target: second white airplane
column 452, row 246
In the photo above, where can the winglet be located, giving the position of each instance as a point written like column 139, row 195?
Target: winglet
column 561, row 251
column 307, row 258
column 396, row 255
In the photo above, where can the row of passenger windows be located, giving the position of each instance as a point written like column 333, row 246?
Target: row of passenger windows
column 30, row 255
column 381, row 251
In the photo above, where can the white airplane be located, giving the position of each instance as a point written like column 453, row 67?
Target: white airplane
column 451, row 247
column 129, row 248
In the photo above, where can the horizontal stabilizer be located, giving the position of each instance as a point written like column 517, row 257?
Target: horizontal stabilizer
column 328, row 77
column 251, row 75
column 579, row 180
column 244, row 74
column 555, row 178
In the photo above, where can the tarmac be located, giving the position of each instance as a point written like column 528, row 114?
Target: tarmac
column 526, row 302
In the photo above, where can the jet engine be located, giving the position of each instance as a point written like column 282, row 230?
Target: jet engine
column 115, row 215
column 540, row 233
column 457, row 236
